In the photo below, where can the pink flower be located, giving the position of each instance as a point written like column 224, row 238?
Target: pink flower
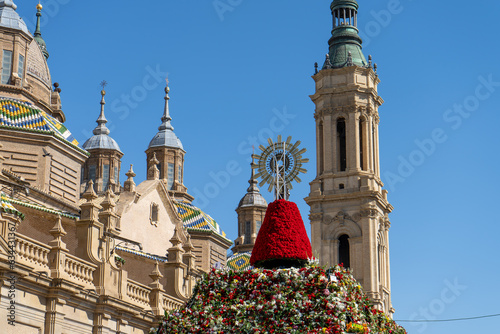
column 326, row 292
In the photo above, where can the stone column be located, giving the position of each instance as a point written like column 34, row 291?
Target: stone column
column 352, row 130
column 370, row 154
column 327, row 144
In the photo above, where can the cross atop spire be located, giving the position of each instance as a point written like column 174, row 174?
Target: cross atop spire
column 101, row 128
column 253, row 182
column 165, row 119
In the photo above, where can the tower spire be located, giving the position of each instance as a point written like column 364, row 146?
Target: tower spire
column 253, row 182
column 165, row 119
column 345, row 43
column 101, row 128
column 38, row 33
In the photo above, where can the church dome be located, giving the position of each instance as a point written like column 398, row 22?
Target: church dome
column 101, row 142
column 252, row 199
column 9, row 17
column 101, row 138
column 36, row 65
column 166, row 136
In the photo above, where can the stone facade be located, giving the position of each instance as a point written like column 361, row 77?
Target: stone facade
column 79, row 252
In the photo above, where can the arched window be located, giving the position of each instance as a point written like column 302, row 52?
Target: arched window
column 105, row 177
column 341, row 144
column 6, row 66
column 170, row 176
column 344, row 256
column 248, row 232
column 154, row 214
column 380, row 258
column 160, row 168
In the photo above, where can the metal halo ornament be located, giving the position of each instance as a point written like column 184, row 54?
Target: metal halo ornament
column 279, row 164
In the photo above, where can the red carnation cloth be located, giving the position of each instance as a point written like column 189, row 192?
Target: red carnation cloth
column 282, row 235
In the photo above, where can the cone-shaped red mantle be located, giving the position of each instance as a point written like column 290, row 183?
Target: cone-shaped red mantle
column 282, row 238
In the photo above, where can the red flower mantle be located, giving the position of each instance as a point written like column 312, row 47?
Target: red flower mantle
column 282, row 239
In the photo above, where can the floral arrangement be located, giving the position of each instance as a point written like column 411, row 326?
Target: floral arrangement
column 282, row 240
column 357, row 328
column 306, row 300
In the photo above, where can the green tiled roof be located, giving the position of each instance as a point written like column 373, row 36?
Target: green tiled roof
column 15, row 114
column 240, row 261
column 6, row 206
column 196, row 220
column 42, row 208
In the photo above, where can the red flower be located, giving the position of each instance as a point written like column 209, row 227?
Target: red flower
column 282, row 235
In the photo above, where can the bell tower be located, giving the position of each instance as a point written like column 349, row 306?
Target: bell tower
column 166, row 152
column 251, row 212
column 349, row 209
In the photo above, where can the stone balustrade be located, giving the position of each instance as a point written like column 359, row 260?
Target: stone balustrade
column 171, row 304
column 138, row 293
column 79, row 270
column 32, row 253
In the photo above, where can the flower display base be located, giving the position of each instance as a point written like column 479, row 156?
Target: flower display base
column 292, row 301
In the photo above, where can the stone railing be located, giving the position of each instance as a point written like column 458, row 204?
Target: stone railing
column 138, row 293
column 32, row 253
column 79, row 270
column 169, row 303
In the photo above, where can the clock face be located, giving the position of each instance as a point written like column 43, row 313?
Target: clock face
column 281, row 160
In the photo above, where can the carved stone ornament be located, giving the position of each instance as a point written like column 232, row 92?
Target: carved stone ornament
column 317, row 216
column 351, row 108
column 370, row 213
column 341, row 218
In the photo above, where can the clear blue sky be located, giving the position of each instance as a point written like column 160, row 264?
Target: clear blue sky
column 234, row 71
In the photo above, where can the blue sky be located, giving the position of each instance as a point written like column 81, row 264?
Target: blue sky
column 241, row 74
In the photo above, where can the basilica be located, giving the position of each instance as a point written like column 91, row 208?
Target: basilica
column 82, row 251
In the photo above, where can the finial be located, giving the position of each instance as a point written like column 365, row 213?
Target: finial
column 58, row 232
column 156, row 275
column 154, row 160
column 129, row 185
column 253, row 182
column 153, row 171
column 56, row 87
column 103, row 84
column 375, row 68
column 328, row 64
column 130, row 172
column 165, row 119
column 101, row 128
column 176, row 239
column 370, row 65
column 316, row 68
column 90, row 194
column 108, row 203
column 349, row 59
column 38, row 33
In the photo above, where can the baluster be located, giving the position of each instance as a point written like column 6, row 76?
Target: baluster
column 46, row 258
column 38, row 252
